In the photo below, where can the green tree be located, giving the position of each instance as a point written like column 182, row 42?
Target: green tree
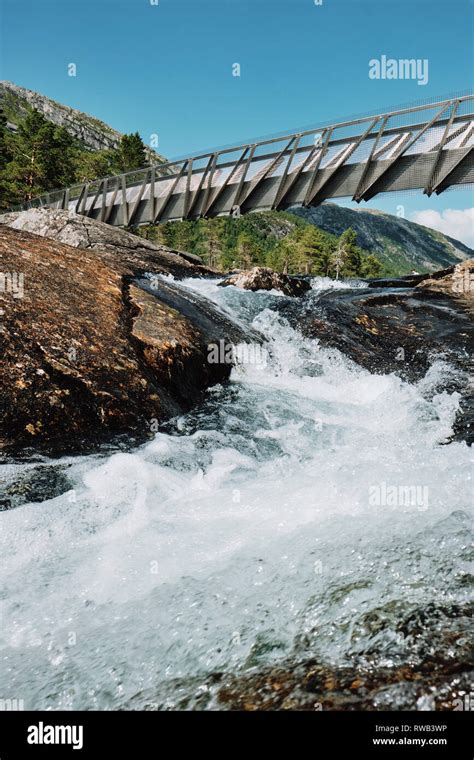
column 131, row 153
column 182, row 236
column 347, row 257
column 5, row 158
column 288, row 256
column 42, row 158
column 353, row 253
column 213, row 255
column 244, row 250
column 371, row 266
column 339, row 258
column 277, row 240
column 5, row 152
column 315, row 251
column 92, row 165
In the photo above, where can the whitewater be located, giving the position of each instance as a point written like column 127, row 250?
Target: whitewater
column 245, row 532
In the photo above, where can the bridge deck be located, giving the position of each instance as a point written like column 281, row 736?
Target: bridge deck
column 428, row 147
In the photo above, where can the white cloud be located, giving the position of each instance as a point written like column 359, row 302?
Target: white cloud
column 457, row 223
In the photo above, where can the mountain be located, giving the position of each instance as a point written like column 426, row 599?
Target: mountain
column 92, row 133
column 400, row 245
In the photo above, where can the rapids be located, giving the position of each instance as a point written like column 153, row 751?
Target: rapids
column 255, row 528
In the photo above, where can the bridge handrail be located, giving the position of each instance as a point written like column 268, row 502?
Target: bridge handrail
column 163, row 167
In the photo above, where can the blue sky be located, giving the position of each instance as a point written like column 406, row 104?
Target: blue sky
column 167, row 68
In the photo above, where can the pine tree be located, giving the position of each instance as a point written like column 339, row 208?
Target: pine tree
column 244, row 252
column 5, row 152
column 353, row 253
column 183, row 236
column 371, row 266
column 339, row 257
column 315, row 251
column 5, row 158
column 42, row 158
column 213, row 245
column 131, row 153
column 92, row 165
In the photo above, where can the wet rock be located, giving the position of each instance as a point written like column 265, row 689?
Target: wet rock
column 89, row 355
column 432, row 667
column 390, row 330
column 262, row 278
column 35, row 485
column 455, row 281
column 316, row 687
column 400, row 329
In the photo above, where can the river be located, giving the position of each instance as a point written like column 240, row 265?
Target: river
column 307, row 509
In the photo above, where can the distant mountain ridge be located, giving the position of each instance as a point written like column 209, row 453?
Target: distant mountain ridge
column 93, row 133
column 401, row 245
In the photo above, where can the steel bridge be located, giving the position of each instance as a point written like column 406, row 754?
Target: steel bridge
column 425, row 147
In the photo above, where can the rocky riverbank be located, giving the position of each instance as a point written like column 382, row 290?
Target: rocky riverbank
column 301, row 535
column 89, row 353
column 94, row 350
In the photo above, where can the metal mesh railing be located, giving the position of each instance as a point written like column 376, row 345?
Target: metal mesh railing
column 427, row 146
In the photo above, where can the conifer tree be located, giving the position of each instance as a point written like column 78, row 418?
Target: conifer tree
column 131, row 153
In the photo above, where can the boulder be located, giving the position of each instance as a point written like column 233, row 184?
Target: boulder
column 457, row 282
column 262, row 278
column 90, row 350
column 119, row 247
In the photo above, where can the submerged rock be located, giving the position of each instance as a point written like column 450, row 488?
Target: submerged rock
column 37, row 484
column 433, row 670
column 89, row 353
column 262, row 278
column 312, row 686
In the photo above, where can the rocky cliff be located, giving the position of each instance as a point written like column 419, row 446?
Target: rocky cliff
column 92, row 133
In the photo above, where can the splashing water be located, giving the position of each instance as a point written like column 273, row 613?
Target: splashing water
column 305, row 509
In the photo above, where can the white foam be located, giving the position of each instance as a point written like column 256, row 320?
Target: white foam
column 246, row 532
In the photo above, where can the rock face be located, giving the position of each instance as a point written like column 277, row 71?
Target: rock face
column 91, row 352
column 119, row 247
column 455, row 281
column 91, row 132
column 262, row 278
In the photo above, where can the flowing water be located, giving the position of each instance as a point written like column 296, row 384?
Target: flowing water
column 308, row 508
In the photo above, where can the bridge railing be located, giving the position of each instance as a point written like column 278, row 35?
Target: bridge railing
column 303, row 167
